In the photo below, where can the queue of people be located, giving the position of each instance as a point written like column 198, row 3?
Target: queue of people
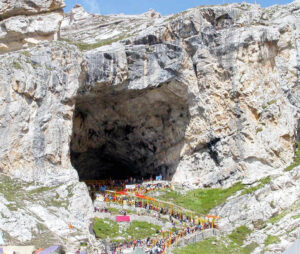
column 155, row 245
column 183, row 222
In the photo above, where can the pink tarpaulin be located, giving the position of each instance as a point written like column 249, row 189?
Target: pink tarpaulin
column 122, row 218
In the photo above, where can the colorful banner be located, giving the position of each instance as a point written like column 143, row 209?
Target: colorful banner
column 122, row 218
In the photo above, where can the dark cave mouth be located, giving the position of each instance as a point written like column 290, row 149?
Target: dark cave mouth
column 130, row 133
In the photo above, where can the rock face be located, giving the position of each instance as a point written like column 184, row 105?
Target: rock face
column 26, row 23
column 39, row 105
column 238, row 65
column 23, row 7
column 206, row 97
column 272, row 210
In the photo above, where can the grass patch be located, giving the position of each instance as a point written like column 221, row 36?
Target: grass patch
column 271, row 102
column 207, row 246
column 272, row 204
column 277, row 217
column 225, row 245
column 142, row 230
column 259, row 130
column 12, row 207
column 17, row 65
column 41, row 189
column 104, row 228
column 11, row 189
column 271, row 239
column 85, row 46
column 113, row 210
column 250, row 248
column 26, row 53
column 201, row 200
column 296, row 216
column 296, row 161
column 261, row 184
column 239, row 235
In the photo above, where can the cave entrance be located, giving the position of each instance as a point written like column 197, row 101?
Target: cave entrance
column 129, row 133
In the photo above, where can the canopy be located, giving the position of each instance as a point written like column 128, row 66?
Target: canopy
column 144, row 197
column 212, row 216
column 121, row 192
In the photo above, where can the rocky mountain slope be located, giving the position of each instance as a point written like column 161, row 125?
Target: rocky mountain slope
column 206, row 97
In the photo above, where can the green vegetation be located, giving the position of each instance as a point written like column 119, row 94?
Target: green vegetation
column 261, row 184
column 271, row 239
column 11, row 189
column 207, row 246
column 26, row 53
column 175, row 16
column 41, row 189
column 258, row 130
column 116, row 211
column 272, row 204
column 278, row 217
column 15, row 192
column 239, row 235
column 141, row 229
column 225, row 245
column 296, row 216
column 17, row 65
column 104, row 228
column 113, row 210
column 271, row 102
column 296, row 161
column 85, row 46
column 201, row 200
column 249, row 248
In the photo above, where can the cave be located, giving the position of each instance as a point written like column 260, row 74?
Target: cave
column 121, row 133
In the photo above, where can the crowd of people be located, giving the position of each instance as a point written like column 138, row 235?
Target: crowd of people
column 183, row 222
column 152, row 205
column 131, row 185
column 154, row 245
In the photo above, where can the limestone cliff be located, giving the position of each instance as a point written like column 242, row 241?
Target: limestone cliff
column 25, row 23
column 207, row 97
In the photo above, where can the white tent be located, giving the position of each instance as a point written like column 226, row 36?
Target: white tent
column 18, row 249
